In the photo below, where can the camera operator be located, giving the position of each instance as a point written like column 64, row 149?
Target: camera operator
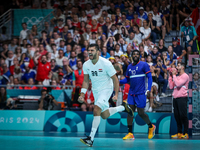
column 47, row 101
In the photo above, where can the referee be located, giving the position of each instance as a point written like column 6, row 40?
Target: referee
column 180, row 85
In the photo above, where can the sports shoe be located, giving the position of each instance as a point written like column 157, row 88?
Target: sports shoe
column 185, row 136
column 163, row 95
column 150, row 109
column 128, row 108
column 129, row 136
column 152, row 132
column 177, row 136
column 87, row 141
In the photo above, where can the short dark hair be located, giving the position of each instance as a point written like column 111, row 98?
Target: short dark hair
column 181, row 63
column 94, row 45
column 43, row 90
column 135, row 50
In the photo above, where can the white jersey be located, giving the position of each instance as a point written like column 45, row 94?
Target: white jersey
column 100, row 74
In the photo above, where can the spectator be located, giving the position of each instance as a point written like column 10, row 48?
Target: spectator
column 93, row 39
column 66, row 68
column 123, row 32
column 165, row 12
column 24, row 46
column 83, row 16
column 43, row 68
column 76, row 22
column 17, row 85
column 15, row 63
column 59, row 15
column 142, row 14
column 136, row 21
column 112, row 30
column 104, row 53
column 130, row 39
column 149, row 60
column 178, row 49
column 56, row 38
column 129, row 15
column 60, row 58
column 88, row 9
column 189, row 35
column 171, row 56
column 63, row 34
column 152, row 24
column 54, row 67
column 17, row 73
column 154, row 54
column 30, row 85
column 174, row 15
column 12, row 46
column 97, row 14
column 161, row 22
column 73, row 60
column 5, row 102
column 4, row 52
column 112, row 8
column 62, row 46
column 117, row 50
column 24, row 33
column 47, row 28
column 55, row 85
column 9, row 59
column 146, row 30
column 29, row 73
column 123, row 45
column 70, row 40
column 18, row 52
column 163, row 70
column 143, row 54
column 195, row 81
column 89, row 100
column 86, row 35
column 34, row 32
column 44, row 103
column 161, row 46
column 6, row 74
column 42, row 51
column 138, row 35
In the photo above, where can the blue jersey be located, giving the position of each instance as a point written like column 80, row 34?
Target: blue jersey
column 137, row 75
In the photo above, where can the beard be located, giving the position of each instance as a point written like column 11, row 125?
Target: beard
column 135, row 61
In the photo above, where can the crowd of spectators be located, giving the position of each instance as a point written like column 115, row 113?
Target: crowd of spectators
column 57, row 53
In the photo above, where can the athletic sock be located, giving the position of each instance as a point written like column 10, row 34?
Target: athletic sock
column 95, row 125
column 113, row 110
column 130, row 128
column 150, row 125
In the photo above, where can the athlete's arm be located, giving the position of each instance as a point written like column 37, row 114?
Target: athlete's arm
column 116, row 86
column 124, row 81
column 85, row 83
column 149, row 81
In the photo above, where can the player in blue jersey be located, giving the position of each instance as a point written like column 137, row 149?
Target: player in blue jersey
column 135, row 75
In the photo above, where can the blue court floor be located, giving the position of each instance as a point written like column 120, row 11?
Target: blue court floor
column 33, row 140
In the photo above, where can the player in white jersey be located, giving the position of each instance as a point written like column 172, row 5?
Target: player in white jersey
column 103, row 78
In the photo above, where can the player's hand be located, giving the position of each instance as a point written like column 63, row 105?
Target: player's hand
column 114, row 98
column 81, row 98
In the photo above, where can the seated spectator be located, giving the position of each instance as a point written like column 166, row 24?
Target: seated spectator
column 110, row 43
column 30, row 85
column 195, row 81
column 146, row 30
column 178, row 49
column 117, row 50
column 142, row 14
column 10, row 82
column 17, row 85
column 148, row 46
column 73, row 60
column 62, row 46
column 161, row 46
column 165, row 12
column 88, row 104
column 161, row 78
column 93, row 39
column 60, row 58
column 44, row 39
column 9, row 59
column 123, row 45
column 171, row 56
column 70, row 40
column 138, row 35
column 15, row 63
column 112, row 30
column 161, row 22
column 130, row 38
column 152, row 24
column 174, row 15
column 123, row 32
column 43, row 68
column 136, row 21
column 104, row 53
column 154, row 54
column 125, row 62
column 29, row 73
column 18, row 52
column 165, row 61
column 46, row 103
column 66, row 68
column 129, row 15
column 17, row 73
column 143, row 54
column 86, row 35
column 12, row 46
column 149, row 60
column 94, row 26
column 6, row 74
column 4, row 52
column 76, row 36
column 42, row 51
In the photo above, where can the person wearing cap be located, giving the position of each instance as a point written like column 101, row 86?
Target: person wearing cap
column 189, row 35
column 112, row 60
column 142, row 15
column 136, row 21
column 125, row 63
column 178, row 49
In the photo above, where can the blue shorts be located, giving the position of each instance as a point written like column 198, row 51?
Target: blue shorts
column 138, row 100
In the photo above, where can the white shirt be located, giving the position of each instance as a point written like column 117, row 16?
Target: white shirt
column 146, row 32
column 91, row 41
column 57, row 42
column 83, row 19
column 89, row 12
column 118, row 53
column 9, row 60
column 105, row 7
column 138, row 37
column 96, row 17
column 158, row 18
column 129, row 41
column 100, row 74
column 112, row 33
column 23, row 35
column 59, row 61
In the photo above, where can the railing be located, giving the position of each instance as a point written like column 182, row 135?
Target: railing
column 47, row 18
column 6, row 21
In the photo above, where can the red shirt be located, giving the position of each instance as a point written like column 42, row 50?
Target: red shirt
column 43, row 71
column 125, row 91
column 1, row 71
column 89, row 98
column 94, row 30
column 30, row 88
column 76, row 24
column 100, row 25
column 60, row 29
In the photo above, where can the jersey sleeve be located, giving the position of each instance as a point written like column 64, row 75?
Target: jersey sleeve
column 85, row 71
column 110, row 69
column 127, row 72
column 146, row 68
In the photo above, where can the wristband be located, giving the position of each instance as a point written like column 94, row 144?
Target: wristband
column 83, row 90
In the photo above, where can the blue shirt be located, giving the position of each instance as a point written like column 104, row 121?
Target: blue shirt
column 129, row 16
column 26, row 76
column 144, row 16
column 173, row 58
column 120, row 6
column 62, row 48
column 161, row 76
column 137, row 75
column 154, row 56
column 106, row 57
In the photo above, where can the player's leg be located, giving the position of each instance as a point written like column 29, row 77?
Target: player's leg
column 141, row 103
column 131, row 103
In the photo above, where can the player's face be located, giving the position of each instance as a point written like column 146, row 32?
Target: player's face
column 92, row 52
column 136, row 56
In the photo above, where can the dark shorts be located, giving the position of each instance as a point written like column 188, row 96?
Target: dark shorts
column 138, row 100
